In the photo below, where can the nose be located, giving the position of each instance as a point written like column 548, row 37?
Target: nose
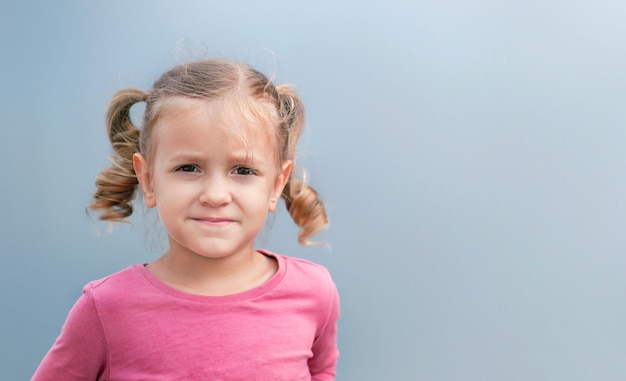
column 215, row 191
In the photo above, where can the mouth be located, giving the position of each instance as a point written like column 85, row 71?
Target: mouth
column 213, row 221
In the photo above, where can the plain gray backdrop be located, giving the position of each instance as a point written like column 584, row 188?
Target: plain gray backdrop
column 471, row 154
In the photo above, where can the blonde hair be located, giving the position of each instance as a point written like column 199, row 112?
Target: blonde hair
column 273, row 105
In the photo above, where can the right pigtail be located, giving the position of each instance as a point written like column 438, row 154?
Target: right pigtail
column 302, row 202
column 116, row 185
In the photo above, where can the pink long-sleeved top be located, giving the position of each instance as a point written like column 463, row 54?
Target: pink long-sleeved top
column 131, row 326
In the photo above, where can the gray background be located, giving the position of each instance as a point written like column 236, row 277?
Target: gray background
column 471, row 154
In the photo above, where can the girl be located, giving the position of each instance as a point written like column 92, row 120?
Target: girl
column 214, row 155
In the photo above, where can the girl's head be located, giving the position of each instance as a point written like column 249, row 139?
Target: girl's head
column 227, row 90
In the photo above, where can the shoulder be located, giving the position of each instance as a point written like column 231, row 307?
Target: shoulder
column 113, row 280
column 116, row 287
column 307, row 269
column 305, row 277
column 300, row 268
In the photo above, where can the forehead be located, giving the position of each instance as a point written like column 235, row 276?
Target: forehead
column 234, row 121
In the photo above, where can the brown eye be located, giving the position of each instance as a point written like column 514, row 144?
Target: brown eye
column 244, row 171
column 188, row 168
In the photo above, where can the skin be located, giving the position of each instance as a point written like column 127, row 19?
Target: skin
column 212, row 190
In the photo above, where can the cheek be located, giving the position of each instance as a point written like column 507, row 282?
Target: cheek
column 257, row 196
column 170, row 194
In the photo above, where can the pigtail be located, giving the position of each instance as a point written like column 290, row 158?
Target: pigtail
column 302, row 201
column 116, row 185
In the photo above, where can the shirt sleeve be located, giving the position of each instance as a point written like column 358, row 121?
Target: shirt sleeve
column 80, row 351
column 325, row 353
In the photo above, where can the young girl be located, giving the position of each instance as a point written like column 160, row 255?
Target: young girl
column 214, row 155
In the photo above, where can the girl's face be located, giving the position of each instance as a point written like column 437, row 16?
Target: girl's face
column 213, row 177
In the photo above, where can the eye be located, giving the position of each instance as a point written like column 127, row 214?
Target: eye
column 244, row 171
column 187, row 168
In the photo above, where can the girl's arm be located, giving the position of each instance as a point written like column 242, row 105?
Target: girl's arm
column 325, row 353
column 79, row 352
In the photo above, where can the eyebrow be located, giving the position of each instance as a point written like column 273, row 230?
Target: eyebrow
column 243, row 157
column 185, row 156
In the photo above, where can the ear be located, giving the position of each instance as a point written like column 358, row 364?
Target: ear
column 142, row 170
column 279, row 184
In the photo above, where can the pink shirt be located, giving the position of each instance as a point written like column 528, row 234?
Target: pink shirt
column 130, row 326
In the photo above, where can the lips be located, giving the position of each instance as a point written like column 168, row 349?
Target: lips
column 214, row 221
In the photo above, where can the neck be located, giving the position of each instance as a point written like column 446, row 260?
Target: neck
column 195, row 274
